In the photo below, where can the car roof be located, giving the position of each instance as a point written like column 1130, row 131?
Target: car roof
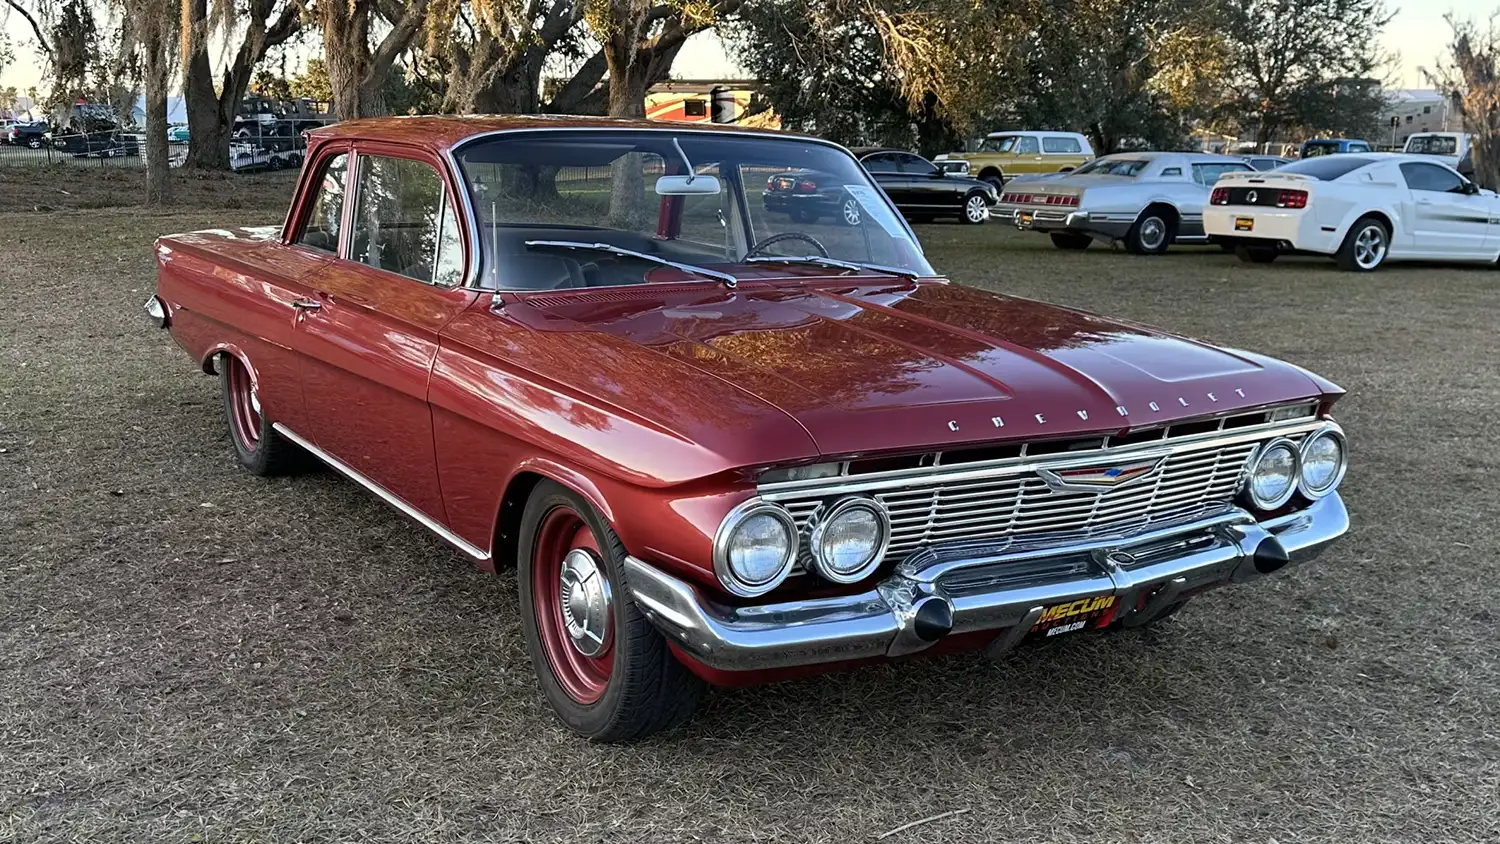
column 1196, row 157
column 1032, row 132
column 861, row 152
column 440, row 133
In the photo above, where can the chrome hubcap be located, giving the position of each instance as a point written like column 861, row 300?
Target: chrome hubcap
column 977, row 209
column 585, row 602
column 851, row 212
column 1369, row 247
column 1153, row 232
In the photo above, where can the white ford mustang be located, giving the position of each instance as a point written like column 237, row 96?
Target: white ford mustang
column 1360, row 209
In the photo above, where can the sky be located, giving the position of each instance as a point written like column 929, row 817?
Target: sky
column 1417, row 34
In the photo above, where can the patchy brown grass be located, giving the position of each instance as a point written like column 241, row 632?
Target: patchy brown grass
column 87, row 184
column 191, row 653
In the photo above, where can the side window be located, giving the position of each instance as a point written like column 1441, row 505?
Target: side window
column 1207, row 174
column 1430, row 177
column 1171, row 171
column 400, row 218
column 881, row 162
column 1061, row 145
column 1027, row 146
column 322, row 229
column 914, row 164
column 1359, row 148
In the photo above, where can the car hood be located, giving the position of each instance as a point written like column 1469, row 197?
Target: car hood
column 869, row 368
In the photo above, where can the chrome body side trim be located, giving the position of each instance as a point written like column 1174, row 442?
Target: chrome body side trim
column 384, row 494
column 1004, row 593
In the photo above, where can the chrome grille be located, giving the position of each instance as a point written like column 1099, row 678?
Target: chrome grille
column 1010, row 503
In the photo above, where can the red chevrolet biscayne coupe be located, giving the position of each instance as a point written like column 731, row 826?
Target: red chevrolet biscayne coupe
column 721, row 444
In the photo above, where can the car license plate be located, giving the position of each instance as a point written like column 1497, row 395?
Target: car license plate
column 1073, row 616
column 1024, row 219
column 1244, row 224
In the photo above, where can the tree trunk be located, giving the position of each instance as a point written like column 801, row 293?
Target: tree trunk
column 347, row 54
column 157, row 69
column 211, row 112
column 627, row 98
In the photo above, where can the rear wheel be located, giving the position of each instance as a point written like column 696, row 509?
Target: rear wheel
column 1071, row 242
column 976, row 208
column 33, row 143
column 1364, row 247
column 606, row 671
column 256, row 444
column 850, row 212
column 1153, row 231
column 1255, row 254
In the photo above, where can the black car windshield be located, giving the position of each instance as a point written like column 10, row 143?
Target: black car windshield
column 604, row 208
column 1326, row 168
column 1131, row 167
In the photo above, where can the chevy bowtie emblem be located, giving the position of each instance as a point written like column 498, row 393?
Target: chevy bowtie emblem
column 1100, row 478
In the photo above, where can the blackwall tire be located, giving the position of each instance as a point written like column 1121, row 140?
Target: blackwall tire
column 1365, row 246
column 611, row 682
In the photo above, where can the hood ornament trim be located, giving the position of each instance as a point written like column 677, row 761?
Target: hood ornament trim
column 1100, row 478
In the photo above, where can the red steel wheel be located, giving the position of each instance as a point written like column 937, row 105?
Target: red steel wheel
column 573, row 605
column 244, row 410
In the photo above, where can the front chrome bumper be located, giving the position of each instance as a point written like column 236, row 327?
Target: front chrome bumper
column 937, row 592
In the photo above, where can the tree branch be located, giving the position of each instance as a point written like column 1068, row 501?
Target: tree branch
column 403, row 29
column 36, row 28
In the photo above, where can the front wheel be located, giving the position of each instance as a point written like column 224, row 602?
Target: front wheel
column 976, row 209
column 1364, row 247
column 606, row 671
column 1151, row 234
column 33, row 143
column 1071, row 242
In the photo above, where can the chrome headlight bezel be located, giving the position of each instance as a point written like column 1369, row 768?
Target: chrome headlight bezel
column 732, row 522
column 1335, row 433
column 1254, row 466
column 815, row 540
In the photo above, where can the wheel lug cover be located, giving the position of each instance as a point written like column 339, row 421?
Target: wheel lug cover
column 585, row 603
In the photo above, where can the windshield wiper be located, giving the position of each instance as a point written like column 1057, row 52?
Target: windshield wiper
column 729, row 280
column 816, row 260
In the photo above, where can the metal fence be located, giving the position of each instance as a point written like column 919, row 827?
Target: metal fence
column 254, row 145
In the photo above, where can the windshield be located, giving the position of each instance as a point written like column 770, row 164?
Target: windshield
column 1327, row 168
column 1130, row 167
column 1432, row 145
column 999, row 143
column 1312, row 148
column 753, row 198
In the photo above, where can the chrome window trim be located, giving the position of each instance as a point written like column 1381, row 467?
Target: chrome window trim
column 734, row 519
column 472, row 280
column 1328, row 430
column 848, row 485
column 1254, row 463
column 815, row 540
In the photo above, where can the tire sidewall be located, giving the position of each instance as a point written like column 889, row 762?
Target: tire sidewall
column 591, row 719
column 1346, row 252
column 252, row 459
column 1136, row 243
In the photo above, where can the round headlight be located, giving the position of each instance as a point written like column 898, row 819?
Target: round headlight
column 1324, row 460
column 754, row 548
column 1273, row 474
column 850, row 539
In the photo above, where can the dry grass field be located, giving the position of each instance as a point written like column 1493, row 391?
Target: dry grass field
column 190, row 653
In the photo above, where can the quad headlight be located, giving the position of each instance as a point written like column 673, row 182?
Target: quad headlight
column 849, row 539
column 754, row 548
column 1324, row 457
column 1273, row 474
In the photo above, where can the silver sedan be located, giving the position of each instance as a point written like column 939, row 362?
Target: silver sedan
column 1145, row 200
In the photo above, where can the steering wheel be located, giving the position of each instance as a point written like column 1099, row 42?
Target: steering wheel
column 777, row 238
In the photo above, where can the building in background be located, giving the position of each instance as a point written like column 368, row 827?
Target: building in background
column 1412, row 110
column 710, row 100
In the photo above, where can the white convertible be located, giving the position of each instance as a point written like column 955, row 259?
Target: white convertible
column 1360, row 209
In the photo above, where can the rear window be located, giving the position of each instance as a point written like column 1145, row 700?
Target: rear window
column 1432, row 145
column 1328, row 167
column 1114, row 167
column 1058, row 144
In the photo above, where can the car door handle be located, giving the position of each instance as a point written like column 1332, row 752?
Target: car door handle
column 1424, row 202
column 306, row 304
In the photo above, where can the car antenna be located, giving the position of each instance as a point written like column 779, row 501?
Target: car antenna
column 691, row 173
